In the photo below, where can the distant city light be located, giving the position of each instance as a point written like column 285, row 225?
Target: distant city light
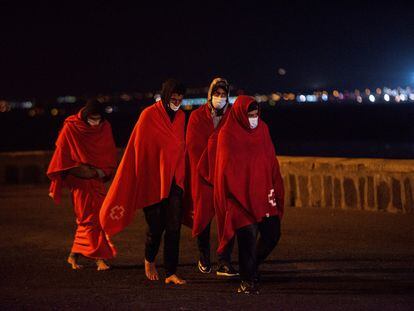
column 281, row 71
column 193, row 101
column 27, row 105
column 311, row 98
column 66, row 99
column 54, row 112
column 276, row 97
column 372, row 98
column 301, row 98
column 126, row 97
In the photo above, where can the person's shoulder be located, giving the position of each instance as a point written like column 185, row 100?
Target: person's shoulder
column 198, row 112
column 147, row 112
column 71, row 119
column 106, row 124
column 71, row 122
column 264, row 124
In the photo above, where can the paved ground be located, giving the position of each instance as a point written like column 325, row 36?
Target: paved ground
column 326, row 260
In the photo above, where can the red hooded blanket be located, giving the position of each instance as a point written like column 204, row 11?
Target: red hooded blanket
column 153, row 157
column 78, row 143
column 247, row 181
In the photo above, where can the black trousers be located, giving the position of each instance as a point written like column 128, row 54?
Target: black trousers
column 253, row 251
column 203, row 243
column 165, row 217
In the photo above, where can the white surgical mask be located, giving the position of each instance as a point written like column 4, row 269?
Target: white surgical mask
column 93, row 122
column 174, row 107
column 218, row 102
column 253, row 122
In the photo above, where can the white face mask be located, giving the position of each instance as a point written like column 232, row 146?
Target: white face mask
column 174, row 107
column 93, row 122
column 253, row 122
column 218, row 102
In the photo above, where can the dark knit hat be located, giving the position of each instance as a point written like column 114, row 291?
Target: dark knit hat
column 253, row 106
column 93, row 106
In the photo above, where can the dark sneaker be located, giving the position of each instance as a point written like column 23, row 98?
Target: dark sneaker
column 204, row 269
column 248, row 288
column 227, row 270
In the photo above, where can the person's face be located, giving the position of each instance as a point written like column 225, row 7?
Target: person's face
column 94, row 119
column 220, row 92
column 176, row 99
column 253, row 114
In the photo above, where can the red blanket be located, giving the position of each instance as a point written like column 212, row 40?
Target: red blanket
column 153, row 157
column 79, row 143
column 247, row 183
column 199, row 132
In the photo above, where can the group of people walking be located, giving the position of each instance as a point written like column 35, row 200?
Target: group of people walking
column 222, row 164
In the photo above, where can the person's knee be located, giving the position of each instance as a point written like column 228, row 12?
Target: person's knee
column 173, row 226
column 154, row 237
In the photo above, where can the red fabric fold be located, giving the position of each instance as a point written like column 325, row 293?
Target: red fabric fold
column 153, row 157
column 247, row 181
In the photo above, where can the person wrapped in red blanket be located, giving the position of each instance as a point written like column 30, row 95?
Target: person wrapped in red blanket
column 248, row 189
column 85, row 157
column 151, row 177
column 203, row 127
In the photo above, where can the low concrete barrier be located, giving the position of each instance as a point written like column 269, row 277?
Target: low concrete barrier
column 341, row 183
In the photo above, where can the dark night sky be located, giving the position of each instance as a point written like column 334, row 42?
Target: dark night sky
column 55, row 50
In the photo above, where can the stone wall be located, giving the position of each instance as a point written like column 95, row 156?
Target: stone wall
column 341, row 183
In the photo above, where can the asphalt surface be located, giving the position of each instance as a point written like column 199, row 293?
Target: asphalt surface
column 326, row 260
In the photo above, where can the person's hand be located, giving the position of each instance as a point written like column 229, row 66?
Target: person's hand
column 83, row 171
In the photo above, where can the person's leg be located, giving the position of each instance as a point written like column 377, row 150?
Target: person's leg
column 155, row 218
column 246, row 238
column 225, row 257
column 225, row 267
column 73, row 261
column 203, row 243
column 269, row 229
column 173, row 220
column 74, row 256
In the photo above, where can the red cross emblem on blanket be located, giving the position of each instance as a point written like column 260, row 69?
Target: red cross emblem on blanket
column 117, row 212
column 271, row 197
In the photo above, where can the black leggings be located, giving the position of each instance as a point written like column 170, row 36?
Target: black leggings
column 253, row 252
column 165, row 216
column 203, row 243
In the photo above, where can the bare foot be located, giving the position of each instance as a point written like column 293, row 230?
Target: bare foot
column 102, row 265
column 151, row 271
column 73, row 261
column 175, row 280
